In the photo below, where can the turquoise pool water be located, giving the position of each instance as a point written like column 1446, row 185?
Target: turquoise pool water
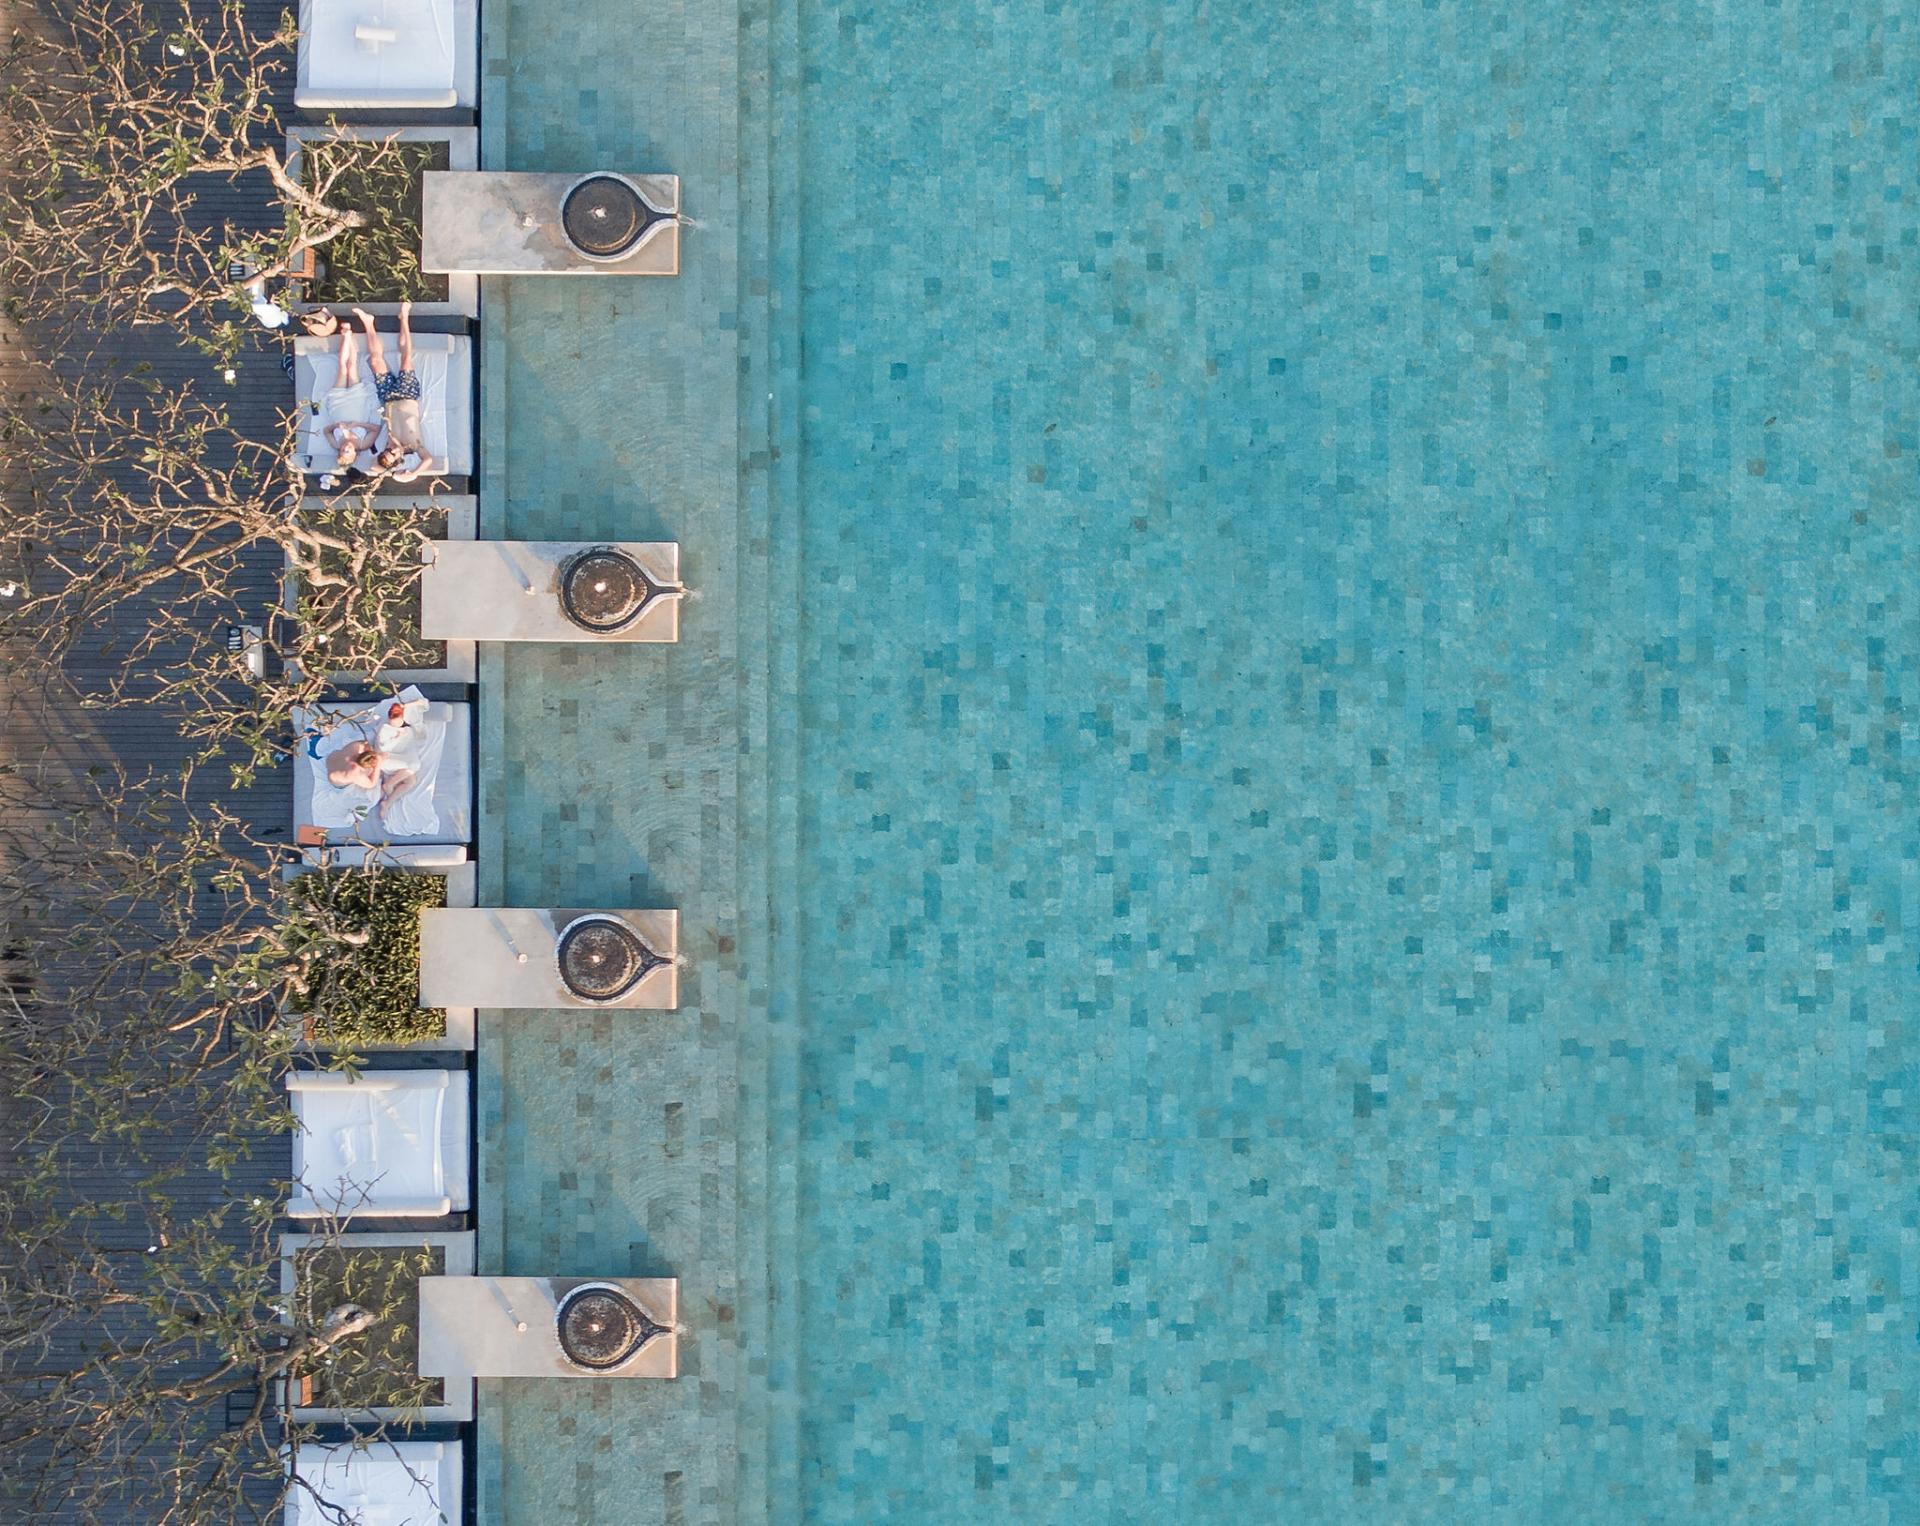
column 1356, row 762
column 1292, row 786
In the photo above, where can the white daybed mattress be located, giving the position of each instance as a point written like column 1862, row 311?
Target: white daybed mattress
column 445, row 364
column 448, row 796
column 386, row 1483
column 381, row 55
column 384, row 1144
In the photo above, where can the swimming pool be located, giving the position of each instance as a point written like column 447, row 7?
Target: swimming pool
column 1357, row 762
column 1294, row 793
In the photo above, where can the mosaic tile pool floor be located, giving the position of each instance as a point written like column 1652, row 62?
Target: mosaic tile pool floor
column 1358, row 762
column 1318, row 920
column 609, row 1141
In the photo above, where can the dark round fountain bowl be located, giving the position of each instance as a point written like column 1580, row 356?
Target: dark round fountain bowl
column 600, row 1328
column 604, row 217
column 604, row 590
column 602, row 959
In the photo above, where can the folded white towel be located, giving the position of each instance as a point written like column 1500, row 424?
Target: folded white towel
column 350, row 405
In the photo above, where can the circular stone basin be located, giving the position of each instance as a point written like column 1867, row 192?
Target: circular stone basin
column 604, row 590
column 600, row 1328
column 602, row 959
column 605, row 217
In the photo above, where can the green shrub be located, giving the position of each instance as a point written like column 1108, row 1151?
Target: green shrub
column 375, row 611
column 379, row 1366
column 380, row 262
column 367, row 992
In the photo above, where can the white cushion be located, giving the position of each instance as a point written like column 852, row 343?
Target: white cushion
column 391, row 1483
column 419, row 67
column 379, row 1144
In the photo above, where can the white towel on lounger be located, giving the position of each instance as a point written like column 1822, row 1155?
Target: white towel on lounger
column 415, row 745
column 413, row 814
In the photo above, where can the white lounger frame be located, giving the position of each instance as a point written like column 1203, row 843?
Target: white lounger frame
column 452, row 1145
column 453, row 790
column 328, row 1469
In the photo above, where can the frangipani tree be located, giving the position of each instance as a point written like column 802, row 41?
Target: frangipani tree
column 147, row 1353
column 151, row 1359
column 119, row 116
column 144, row 523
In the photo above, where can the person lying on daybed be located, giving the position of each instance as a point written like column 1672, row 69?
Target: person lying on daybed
column 360, row 765
column 373, row 763
column 377, row 765
column 405, row 454
column 352, row 408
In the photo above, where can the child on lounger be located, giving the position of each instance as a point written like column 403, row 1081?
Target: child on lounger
column 400, row 399
column 352, row 405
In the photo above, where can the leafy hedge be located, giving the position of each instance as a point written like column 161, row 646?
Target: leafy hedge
column 369, row 992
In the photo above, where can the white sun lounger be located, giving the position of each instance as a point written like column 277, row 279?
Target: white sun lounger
column 384, row 1144
column 445, row 365
column 393, row 1483
column 318, row 804
column 385, row 55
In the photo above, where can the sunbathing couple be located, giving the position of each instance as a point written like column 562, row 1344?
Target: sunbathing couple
column 362, row 765
column 358, row 412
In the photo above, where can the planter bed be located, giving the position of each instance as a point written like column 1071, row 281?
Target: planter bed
column 447, row 517
column 319, row 607
column 372, row 994
column 459, row 881
column 374, row 1369
column 377, row 267
column 380, row 262
column 373, row 1375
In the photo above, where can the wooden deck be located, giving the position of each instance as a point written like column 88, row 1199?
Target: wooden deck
column 55, row 729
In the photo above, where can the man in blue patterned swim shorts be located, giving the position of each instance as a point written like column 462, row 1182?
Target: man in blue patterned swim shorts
column 405, row 455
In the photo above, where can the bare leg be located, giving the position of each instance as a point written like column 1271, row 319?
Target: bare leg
column 406, row 336
column 394, row 786
column 376, row 352
column 349, row 359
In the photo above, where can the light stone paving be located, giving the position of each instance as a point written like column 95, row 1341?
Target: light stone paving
column 505, row 1327
column 510, row 953
column 509, row 590
column 509, row 224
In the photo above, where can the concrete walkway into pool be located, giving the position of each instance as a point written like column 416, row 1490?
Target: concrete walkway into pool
column 614, row 1144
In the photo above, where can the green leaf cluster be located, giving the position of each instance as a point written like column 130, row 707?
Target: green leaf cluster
column 379, row 262
column 365, row 986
